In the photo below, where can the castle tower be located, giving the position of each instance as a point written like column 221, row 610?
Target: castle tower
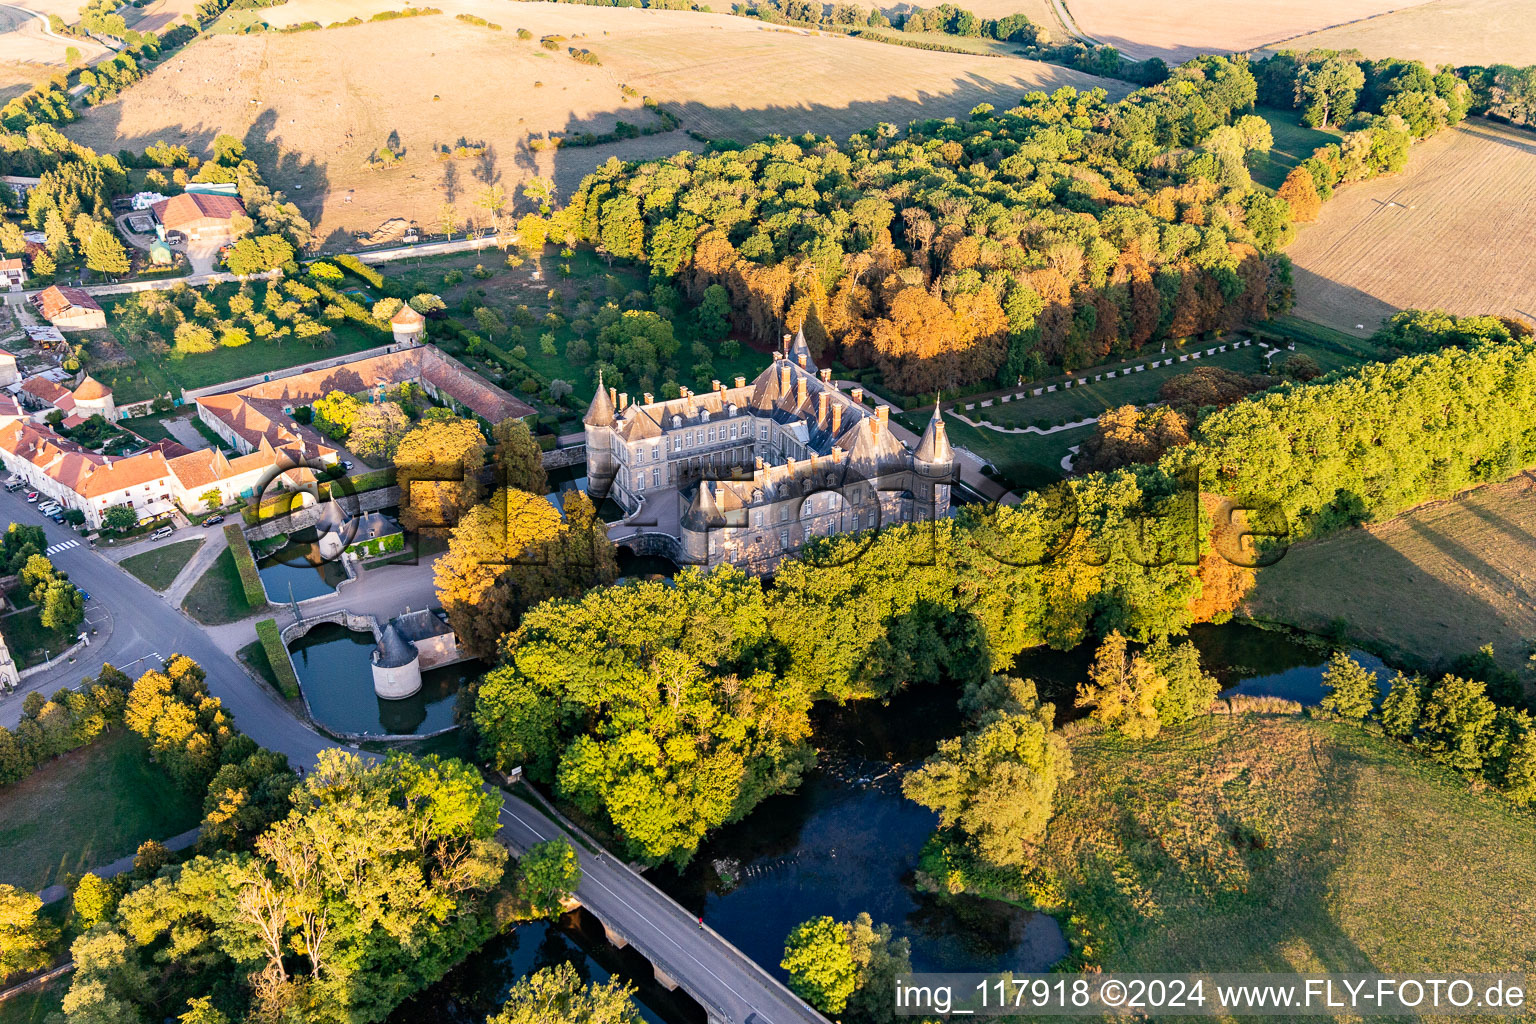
column 933, row 467
column 598, row 424
column 799, row 352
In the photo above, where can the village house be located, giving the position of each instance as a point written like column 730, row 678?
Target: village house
column 69, row 309
column 13, row 274
column 41, row 395
column 264, row 412
column 197, row 217
column 9, row 374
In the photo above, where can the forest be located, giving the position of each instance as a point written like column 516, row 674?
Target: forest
column 1050, row 236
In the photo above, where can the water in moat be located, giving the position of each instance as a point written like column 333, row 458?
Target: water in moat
column 476, row 988
column 336, row 671
column 848, row 841
column 296, row 571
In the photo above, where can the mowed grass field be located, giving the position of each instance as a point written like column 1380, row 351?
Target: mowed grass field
column 1177, row 30
column 1423, row 588
column 313, row 106
column 1443, row 32
column 1279, row 843
column 86, row 809
column 1453, row 231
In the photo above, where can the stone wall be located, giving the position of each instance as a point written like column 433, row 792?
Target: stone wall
column 560, row 458
column 368, row 501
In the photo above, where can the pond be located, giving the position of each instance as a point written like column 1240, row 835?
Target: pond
column 574, row 478
column 476, row 988
column 848, row 841
column 1244, row 659
column 296, row 571
column 335, row 669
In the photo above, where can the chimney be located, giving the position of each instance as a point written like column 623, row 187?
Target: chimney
column 784, row 379
column 759, row 466
column 623, row 400
column 741, row 382
column 826, row 375
column 801, row 360
column 649, row 398
column 822, row 401
column 800, row 394
column 613, row 396
column 714, row 385
column 786, row 343
column 882, row 416
column 858, row 395
column 837, row 418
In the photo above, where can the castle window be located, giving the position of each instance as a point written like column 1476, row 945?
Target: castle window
column 689, row 438
column 711, row 435
column 677, row 443
column 655, row 453
column 733, row 431
column 784, row 539
column 757, row 518
column 656, row 478
column 762, row 432
column 699, row 436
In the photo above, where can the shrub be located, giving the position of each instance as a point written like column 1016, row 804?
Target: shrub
column 358, row 268
column 277, row 656
column 245, row 562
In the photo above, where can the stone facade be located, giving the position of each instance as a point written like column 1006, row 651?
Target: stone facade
column 747, row 474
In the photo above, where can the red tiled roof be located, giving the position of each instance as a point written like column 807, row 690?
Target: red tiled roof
column 55, row 301
column 189, row 207
column 91, row 390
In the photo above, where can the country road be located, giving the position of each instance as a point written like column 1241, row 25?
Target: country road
column 145, row 629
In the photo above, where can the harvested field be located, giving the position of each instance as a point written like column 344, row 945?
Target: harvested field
column 1453, row 231
column 16, row 77
column 26, row 39
column 362, row 83
column 1177, row 30
column 1422, row 588
column 158, row 15
column 1443, row 32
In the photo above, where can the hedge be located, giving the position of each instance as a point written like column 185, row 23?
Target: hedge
column 360, row 269
column 277, row 656
column 250, row 579
column 379, row 546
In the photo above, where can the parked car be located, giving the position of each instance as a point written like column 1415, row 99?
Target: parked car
column 85, row 595
column 213, row 520
column 48, row 508
column 13, row 485
column 162, row 533
column 346, row 465
column 31, row 497
column 57, row 515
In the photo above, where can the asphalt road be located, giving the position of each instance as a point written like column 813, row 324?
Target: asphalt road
column 145, row 630
column 731, row 987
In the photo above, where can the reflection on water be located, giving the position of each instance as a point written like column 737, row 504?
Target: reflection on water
column 574, row 478
column 476, row 988
column 296, row 571
column 1245, row 659
column 335, row 669
column 848, row 841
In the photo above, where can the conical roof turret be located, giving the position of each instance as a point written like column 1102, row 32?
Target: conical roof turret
column 600, row 412
column 934, row 446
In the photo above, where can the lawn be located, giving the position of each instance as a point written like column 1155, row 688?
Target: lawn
column 1294, row 142
column 34, row 1007
column 218, row 597
column 160, row 567
column 1424, row 587
column 149, row 375
column 29, row 641
column 1283, row 843
column 590, row 280
column 86, row 809
column 152, row 427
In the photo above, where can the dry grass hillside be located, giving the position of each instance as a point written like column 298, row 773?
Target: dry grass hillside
column 1453, row 231
column 313, row 106
column 1443, row 32
column 26, row 43
column 1177, row 30
column 1424, row 587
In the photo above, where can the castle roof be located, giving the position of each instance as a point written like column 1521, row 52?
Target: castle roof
column 934, row 446
column 600, row 412
column 91, row 390
column 394, row 650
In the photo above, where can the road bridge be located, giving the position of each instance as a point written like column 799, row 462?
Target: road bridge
column 684, row 953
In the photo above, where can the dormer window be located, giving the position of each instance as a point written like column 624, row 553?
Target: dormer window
column 677, row 421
